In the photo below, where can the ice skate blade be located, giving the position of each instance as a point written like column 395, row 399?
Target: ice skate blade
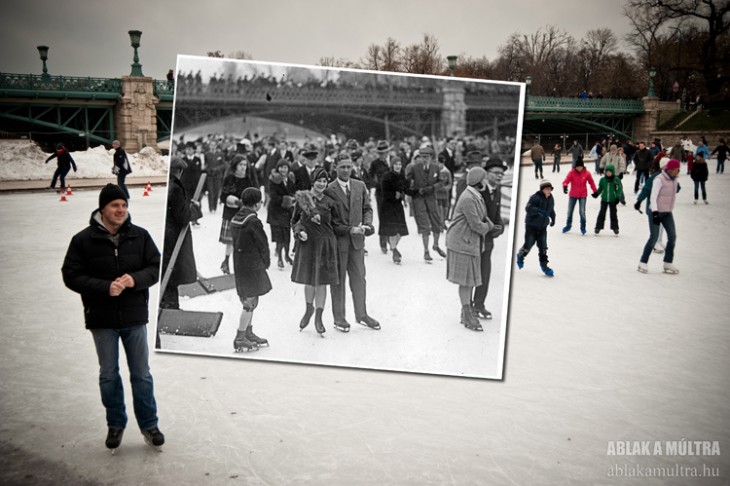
column 342, row 328
column 671, row 272
column 642, row 270
column 245, row 350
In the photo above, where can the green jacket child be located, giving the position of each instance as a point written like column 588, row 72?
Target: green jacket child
column 609, row 187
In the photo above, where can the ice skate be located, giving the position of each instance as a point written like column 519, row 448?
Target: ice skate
column 520, row 260
column 396, row 256
column 343, row 326
column 114, row 438
column 440, row 252
column 318, row 325
column 583, row 232
column 670, row 268
column 615, row 232
column 658, row 248
column 694, row 202
column 427, row 257
column 597, row 231
column 258, row 341
column 307, row 316
column 280, row 263
column 566, row 229
column 153, row 437
column 705, row 200
column 241, row 344
column 547, row 270
column 643, row 268
column 369, row 321
column 480, row 312
column 468, row 319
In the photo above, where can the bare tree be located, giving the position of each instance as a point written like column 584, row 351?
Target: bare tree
column 331, row 61
column 423, row 58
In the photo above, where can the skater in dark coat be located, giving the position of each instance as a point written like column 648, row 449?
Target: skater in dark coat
column 423, row 179
column 112, row 264
column 464, row 241
column 540, row 211
column 122, row 168
column 279, row 209
column 63, row 165
column 250, row 262
column 699, row 175
column 315, row 262
column 392, row 215
column 233, row 186
column 378, row 168
column 184, row 270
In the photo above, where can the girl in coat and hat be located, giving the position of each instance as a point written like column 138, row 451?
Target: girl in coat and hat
column 279, row 209
column 464, row 240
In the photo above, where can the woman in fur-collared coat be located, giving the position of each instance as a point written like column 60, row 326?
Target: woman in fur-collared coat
column 279, row 209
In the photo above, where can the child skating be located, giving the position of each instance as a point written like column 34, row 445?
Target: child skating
column 540, row 211
column 611, row 191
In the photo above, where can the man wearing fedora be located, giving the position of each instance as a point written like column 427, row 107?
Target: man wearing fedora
column 492, row 195
column 352, row 221
column 474, row 158
column 378, row 168
column 423, row 178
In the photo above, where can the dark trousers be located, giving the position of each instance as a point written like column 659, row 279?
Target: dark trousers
column 480, row 293
column 556, row 163
column 214, row 191
column 538, row 166
column 641, row 173
column 602, row 215
column 379, row 202
column 120, row 182
column 351, row 264
column 60, row 173
column 539, row 236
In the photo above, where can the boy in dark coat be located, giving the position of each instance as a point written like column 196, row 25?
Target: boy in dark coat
column 540, row 213
column 250, row 261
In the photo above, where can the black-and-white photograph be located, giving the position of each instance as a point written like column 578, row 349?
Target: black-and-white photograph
column 339, row 217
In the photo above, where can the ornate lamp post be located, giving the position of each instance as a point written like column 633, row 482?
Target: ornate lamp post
column 528, row 82
column 452, row 63
column 134, row 36
column 652, row 73
column 43, row 51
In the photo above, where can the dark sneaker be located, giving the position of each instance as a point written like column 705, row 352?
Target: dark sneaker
column 114, row 438
column 153, row 437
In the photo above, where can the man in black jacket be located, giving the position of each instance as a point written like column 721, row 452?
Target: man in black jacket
column 642, row 161
column 112, row 264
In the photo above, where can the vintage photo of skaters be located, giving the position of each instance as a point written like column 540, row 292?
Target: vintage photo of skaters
column 340, row 217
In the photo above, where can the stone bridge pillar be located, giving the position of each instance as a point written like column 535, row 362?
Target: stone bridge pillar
column 648, row 121
column 135, row 118
column 453, row 115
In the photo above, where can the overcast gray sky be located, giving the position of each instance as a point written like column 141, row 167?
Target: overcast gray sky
column 89, row 38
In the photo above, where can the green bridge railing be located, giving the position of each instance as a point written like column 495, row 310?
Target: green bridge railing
column 545, row 104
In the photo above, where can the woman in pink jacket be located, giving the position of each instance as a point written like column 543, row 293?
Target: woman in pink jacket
column 577, row 179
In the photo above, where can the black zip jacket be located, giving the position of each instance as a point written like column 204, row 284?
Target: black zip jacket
column 93, row 262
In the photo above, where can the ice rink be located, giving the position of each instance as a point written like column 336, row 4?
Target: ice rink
column 598, row 354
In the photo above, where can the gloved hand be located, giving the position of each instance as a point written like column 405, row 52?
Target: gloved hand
column 369, row 230
column 637, row 206
column 552, row 222
column 655, row 217
column 565, row 189
column 623, row 202
column 595, row 195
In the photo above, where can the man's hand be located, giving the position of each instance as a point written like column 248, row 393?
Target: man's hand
column 126, row 280
column 116, row 288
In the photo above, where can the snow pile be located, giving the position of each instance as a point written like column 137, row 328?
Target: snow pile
column 23, row 160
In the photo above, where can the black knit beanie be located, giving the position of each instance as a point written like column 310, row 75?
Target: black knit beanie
column 109, row 193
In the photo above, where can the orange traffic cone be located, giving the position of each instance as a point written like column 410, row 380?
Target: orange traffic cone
column 149, row 187
column 63, row 197
column 145, row 193
column 68, row 190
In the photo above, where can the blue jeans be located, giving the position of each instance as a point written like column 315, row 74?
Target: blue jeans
column 720, row 165
column 698, row 185
column 667, row 221
column 538, row 166
column 59, row 173
column 134, row 340
column 598, row 165
column 581, row 210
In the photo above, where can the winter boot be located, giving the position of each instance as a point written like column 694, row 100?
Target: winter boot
column 670, row 268
column 307, row 316
column 468, row 319
column 318, row 325
column 242, row 344
column 259, row 341
column 547, row 270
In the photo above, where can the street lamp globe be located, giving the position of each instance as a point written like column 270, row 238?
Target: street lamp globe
column 134, row 37
column 652, row 73
column 43, row 51
column 452, row 63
